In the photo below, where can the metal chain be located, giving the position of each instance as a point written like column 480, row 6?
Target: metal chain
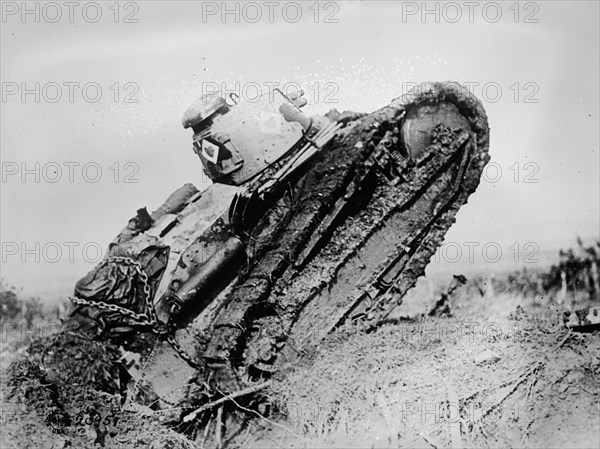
column 141, row 318
column 146, row 318
column 181, row 352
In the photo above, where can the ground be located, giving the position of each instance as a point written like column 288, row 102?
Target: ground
column 501, row 371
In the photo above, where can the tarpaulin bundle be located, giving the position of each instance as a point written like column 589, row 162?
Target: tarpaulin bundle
column 117, row 280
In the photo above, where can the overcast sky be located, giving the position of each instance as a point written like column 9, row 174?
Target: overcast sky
column 534, row 64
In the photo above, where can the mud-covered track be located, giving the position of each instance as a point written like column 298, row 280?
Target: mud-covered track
column 388, row 236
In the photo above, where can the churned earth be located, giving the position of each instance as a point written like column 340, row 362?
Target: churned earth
column 500, row 371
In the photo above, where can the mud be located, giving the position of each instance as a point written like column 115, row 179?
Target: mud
column 281, row 301
column 342, row 245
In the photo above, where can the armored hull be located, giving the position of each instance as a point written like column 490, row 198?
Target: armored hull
column 237, row 279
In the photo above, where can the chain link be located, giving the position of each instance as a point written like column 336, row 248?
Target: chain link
column 146, row 318
column 182, row 353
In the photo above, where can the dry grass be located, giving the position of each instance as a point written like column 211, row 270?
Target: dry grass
column 499, row 373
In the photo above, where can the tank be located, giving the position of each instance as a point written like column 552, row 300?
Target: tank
column 309, row 223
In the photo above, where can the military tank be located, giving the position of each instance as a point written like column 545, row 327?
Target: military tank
column 309, row 223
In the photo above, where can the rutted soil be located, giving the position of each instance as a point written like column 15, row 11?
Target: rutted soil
column 501, row 372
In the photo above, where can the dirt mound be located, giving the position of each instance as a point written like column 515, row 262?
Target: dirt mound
column 502, row 372
column 65, row 393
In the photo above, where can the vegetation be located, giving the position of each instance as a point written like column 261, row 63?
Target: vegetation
column 491, row 358
column 579, row 267
column 13, row 307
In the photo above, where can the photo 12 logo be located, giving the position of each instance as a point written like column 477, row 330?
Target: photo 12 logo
column 489, row 252
column 69, row 172
column 70, row 12
column 488, row 91
column 254, row 92
column 448, row 412
column 90, row 252
column 471, row 332
column 22, row 331
column 525, row 173
column 68, row 92
column 263, row 101
column 51, row 252
column 254, row 12
column 470, row 12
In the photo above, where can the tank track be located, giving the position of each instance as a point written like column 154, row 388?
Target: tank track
column 352, row 236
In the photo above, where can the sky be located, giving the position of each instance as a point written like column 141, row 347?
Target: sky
column 100, row 135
